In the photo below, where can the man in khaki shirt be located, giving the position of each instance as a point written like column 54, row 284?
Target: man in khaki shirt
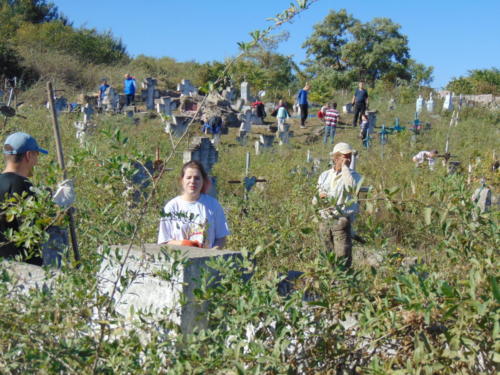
column 338, row 186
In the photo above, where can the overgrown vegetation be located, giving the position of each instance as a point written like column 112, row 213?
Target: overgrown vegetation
column 423, row 297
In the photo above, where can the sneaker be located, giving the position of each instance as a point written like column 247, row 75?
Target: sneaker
column 302, row 126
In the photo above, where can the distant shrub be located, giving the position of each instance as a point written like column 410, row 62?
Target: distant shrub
column 85, row 44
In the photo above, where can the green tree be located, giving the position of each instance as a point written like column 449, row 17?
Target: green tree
column 356, row 50
column 479, row 81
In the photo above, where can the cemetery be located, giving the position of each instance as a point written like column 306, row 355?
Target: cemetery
column 422, row 294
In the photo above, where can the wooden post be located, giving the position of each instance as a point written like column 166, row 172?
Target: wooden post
column 60, row 159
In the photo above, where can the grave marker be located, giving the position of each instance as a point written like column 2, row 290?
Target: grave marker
column 245, row 92
column 149, row 84
column 202, row 149
column 419, row 104
column 430, row 104
column 186, row 88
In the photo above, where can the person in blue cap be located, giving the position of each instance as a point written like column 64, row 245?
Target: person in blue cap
column 21, row 153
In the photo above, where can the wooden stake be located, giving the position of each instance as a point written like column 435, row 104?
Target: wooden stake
column 60, row 159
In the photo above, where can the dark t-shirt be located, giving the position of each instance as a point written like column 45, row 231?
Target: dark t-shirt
column 11, row 183
column 360, row 96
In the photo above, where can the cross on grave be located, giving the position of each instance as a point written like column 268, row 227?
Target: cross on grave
column 384, row 135
column 202, row 149
column 186, row 88
column 87, row 111
column 397, row 127
column 430, row 104
column 177, row 125
column 60, row 104
column 164, row 106
column 248, row 182
column 148, row 94
column 419, row 104
column 265, row 142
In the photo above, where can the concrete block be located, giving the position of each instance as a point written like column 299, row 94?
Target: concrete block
column 165, row 280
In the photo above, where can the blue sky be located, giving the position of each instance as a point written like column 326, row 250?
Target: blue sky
column 453, row 36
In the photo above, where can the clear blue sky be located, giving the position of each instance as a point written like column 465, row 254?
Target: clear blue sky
column 453, row 36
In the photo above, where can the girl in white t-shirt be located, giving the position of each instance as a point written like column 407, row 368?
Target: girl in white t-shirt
column 193, row 218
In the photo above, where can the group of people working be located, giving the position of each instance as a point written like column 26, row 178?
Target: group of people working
column 193, row 218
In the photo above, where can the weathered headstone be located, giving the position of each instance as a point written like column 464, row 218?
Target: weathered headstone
column 392, row 104
column 482, row 197
column 284, row 134
column 229, row 93
column 430, row 104
column 186, row 88
column 177, row 125
column 172, row 297
column 245, row 92
column 347, row 108
column 87, row 111
column 246, row 118
column 419, row 104
column 136, row 180
column 448, row 102
column 202, row 149
column 164, row 106
column 149, row 85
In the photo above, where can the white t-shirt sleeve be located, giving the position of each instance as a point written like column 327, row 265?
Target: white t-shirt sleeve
column 167, row 230
column 221, row 227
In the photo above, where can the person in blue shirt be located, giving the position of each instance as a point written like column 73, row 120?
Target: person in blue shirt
column 102, row 90
column 360, row 102
column 129, row 87
column 303, row 104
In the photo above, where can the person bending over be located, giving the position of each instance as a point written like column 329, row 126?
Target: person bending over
column 193, row 218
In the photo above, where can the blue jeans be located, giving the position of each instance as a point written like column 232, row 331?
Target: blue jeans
column 329, row 132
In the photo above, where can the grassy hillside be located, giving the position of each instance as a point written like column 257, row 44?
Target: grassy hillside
column 424, row 290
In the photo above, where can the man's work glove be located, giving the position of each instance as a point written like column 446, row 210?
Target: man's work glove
column 65, row 194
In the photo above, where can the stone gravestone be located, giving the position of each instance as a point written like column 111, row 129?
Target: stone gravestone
column 347, row 108
column 430, row 104
column 245, row 92
column 246, row 120
column 202, row 149
column 136, row 182
column 177, row 125
column 448, row 102
column 284, row 134
column 186, row 88
column 111, row 100
column 372, row 121
column 85, row 127
column 392, row 104
column 148, row 94
column 171, row 297
column 482, row 198
column 164, row 105
column 419, row 104
column 230, row 94
column 265, row 142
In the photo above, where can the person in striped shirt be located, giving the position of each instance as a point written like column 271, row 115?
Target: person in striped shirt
column 331, row 117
